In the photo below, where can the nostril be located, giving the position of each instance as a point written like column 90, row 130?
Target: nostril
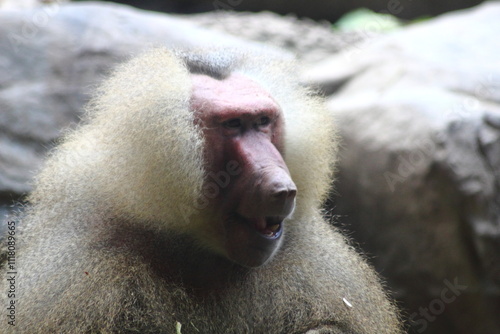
column 281, row 194
column 284, row 201
column 285, row 194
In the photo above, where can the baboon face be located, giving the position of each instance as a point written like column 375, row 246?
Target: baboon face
column 248, row 183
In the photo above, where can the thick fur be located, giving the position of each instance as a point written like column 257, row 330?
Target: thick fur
column 112, row 242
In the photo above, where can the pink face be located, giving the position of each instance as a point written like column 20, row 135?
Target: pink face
column 243, row 129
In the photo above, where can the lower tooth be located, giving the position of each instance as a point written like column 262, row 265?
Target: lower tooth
column 275, row 227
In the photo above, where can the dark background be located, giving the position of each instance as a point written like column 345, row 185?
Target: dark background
column 316, row 9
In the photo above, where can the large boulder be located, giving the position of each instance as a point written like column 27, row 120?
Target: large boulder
column 419, row 174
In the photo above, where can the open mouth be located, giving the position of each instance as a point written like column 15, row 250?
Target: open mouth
column 268, row 227
column 251, row 242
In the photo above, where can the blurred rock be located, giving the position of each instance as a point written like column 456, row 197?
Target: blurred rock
column 18, row 4
column 419, row 175
column 311, row 41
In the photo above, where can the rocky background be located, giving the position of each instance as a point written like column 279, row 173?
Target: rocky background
column 418, row 110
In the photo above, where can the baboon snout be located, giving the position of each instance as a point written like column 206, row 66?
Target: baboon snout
column 281, row 201
column 271, row 194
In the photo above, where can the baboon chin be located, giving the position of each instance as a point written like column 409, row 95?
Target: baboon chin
column 190, row 197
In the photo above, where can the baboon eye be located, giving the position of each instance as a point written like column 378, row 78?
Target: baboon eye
column 234, row 123
column 263, row 121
